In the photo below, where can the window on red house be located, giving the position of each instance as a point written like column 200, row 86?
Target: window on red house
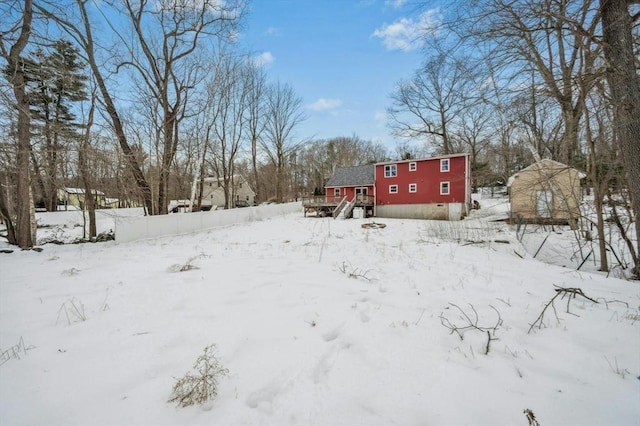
column 390, row 170
column 444, row 165
column 413, row 166
column 444, row 188
column 393, row 189
column 413, row 187
column 336, row 192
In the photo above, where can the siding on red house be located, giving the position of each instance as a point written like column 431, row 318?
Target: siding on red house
column 348, row 179
column 427, row 178
column 349, row 191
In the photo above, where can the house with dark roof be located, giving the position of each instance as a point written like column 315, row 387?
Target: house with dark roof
column 347, row 189
column 427, row 188
column 351, row 181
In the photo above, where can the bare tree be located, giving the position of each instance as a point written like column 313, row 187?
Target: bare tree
column 165, row 39
column 82, row 34
column 228, row 94
column 540, row 118
column 598, row 167
column 473, row 136
column 84, row 169
column 547, row 37
column 283, row 115
column 624, row 83
column 167, row 35
column 425, row 106
column 13, row 40
column 255, row 118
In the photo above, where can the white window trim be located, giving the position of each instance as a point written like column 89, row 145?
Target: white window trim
column 448, row 188
column 444, row 161
column 395, row 168
column 414, row 189
column 393, row 187
column 413, row 166
column 336, row 192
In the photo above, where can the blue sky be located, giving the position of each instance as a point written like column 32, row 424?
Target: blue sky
column 343, row 57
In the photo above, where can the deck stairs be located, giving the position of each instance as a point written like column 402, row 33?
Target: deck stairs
column 347, row 209
column 340, row 207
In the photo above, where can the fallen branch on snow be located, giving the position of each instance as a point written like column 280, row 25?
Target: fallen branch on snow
column 571, row 293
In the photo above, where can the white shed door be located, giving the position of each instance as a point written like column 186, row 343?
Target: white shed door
column 544, row 203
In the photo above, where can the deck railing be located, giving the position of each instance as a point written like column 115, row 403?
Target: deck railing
column 362, row 199
column 324, row 200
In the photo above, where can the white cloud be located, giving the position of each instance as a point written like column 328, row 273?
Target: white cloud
column 323, row 104
column 264, row 58
column 408, row 34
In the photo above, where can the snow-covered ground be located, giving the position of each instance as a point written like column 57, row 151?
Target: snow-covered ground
column 318, row 321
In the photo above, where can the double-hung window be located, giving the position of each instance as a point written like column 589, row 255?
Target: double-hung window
column 390, row 170
column 393, row 189
column 413, row 187
column 444, row 165
column 413, row 166
column 444, row 188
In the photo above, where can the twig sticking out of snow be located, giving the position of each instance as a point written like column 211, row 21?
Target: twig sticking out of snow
column 14, row 351
column 352, row 272
column 472, row 324
column 531, row 418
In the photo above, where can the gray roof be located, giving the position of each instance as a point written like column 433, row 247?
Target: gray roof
column 352, row 176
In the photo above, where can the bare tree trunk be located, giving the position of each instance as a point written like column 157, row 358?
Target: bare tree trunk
column 598, row 194
column 23, row 232
column 625, row 97
column 39, row 181
column 5, row 216
column 85, row 173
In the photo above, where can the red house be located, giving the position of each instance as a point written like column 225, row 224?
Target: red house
column 427, row 188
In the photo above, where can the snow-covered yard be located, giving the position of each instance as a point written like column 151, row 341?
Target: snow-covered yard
column 318, row 321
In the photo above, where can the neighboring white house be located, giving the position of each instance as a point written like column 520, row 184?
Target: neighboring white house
column 73, row 198
column 240, row 193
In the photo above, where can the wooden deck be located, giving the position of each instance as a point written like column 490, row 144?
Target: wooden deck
column 331, row 206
